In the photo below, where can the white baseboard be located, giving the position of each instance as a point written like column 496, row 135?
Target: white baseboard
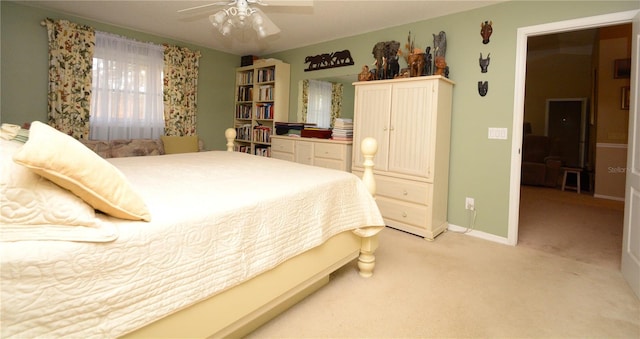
column 601, row 196
column 479, row 234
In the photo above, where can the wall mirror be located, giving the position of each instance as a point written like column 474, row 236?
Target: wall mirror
column 321, row 100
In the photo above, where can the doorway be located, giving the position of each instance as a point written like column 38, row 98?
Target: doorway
column 519, row 96
column 560, row 83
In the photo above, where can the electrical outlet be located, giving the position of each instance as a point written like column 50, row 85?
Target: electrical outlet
column 470, row 204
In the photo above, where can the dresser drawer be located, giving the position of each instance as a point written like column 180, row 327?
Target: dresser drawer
column 330, row 151
column 330, row 163
column 282, row 155
column 282, row 145
column 407, row 190
column 404, row 212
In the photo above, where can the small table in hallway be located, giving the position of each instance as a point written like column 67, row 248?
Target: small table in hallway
column 571, row 170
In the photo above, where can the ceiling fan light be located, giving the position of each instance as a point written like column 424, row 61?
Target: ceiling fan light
column 225, row 29
column 218, row 18
column 262, row 33
column 257, row 19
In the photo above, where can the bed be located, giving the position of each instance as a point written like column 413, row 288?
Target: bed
column 206, row 244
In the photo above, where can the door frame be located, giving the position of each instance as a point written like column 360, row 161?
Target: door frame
column 523, row 34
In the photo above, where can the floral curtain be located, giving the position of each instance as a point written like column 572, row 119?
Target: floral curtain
column 336, row 101
column 180, row 90
column 304, row 101
column 71, row 49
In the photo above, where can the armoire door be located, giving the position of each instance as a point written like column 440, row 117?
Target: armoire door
column 411, row 135
column 372, row 107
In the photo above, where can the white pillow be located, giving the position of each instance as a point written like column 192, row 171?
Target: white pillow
column 34, row 208
column 68, row 163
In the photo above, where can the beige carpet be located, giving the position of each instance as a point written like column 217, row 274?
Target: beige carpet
column 459, row 286
column 571, row 225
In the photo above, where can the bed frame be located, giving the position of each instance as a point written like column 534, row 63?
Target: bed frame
column 239, row 310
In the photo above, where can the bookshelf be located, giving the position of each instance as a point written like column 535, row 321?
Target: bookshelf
column 261, row 99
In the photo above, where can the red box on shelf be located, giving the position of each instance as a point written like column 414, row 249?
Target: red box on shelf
column 316, row 133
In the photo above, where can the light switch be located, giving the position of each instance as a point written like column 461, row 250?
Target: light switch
column 497, row 133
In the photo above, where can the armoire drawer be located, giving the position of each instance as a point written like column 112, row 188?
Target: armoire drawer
column 282, row 145
column 407, row 190
column 405, row 212
column 330, row 151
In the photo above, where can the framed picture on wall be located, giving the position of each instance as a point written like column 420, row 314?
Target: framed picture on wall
column 624, row 97
column 621, row 68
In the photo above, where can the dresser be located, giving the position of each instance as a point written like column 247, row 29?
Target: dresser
column 411, row 120
column 335, row 154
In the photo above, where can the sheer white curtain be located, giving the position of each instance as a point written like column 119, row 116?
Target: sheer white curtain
column 319, row 106
column 126, row 101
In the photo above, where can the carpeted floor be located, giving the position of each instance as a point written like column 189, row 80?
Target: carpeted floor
column 571, row 225
column 459, row 286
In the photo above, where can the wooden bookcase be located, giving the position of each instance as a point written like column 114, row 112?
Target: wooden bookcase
column 261, row 99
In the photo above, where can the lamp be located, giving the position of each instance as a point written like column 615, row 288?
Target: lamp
column 240, row 17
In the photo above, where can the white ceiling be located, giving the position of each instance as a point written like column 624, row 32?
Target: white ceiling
column 301, row 25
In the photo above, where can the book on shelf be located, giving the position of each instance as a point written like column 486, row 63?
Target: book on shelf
column 266, row 75
column 261, row 134
column 245, row 93
column 343, row 123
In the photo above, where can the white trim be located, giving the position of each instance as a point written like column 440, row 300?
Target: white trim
column 608, row 197
column 523, row 34
column 478, row 234
column 610, row 145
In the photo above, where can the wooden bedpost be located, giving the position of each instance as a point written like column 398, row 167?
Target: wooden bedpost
column 369, row 148
column 230, row 135
column 367, row 260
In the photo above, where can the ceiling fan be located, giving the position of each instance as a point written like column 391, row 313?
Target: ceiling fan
column 241, row 14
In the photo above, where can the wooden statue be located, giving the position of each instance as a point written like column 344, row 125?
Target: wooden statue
column 440, row 44
column 441, row 66
column 416, row 64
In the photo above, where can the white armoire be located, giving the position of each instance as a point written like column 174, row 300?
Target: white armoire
column 411, row 120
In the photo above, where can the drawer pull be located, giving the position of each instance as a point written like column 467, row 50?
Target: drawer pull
column 404, row 214
column 405, row 192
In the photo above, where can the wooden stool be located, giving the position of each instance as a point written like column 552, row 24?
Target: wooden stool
column 575, row 171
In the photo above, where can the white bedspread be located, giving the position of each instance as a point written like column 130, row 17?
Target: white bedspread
column 218, row 218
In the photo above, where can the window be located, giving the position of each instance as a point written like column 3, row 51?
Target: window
column 319, row 105
column 126, row 99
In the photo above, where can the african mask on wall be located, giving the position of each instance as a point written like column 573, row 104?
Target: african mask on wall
column 484, row 63
column 485, row 31
column 483, row 88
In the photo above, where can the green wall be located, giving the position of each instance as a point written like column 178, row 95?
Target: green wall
column 24, row 75
column 479, row 167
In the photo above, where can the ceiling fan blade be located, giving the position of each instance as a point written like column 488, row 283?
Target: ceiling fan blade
column 290, row 3
column 207, row 5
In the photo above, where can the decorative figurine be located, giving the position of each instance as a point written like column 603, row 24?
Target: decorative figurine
column 485, row 31
column 416, row 64
column 483, row 88
column 428, row 61
column 366, row 74
column 440, row 44
column 385, row 53
column 392, row 59
column 441, row 66
column 378, row 54
column 484, row 63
